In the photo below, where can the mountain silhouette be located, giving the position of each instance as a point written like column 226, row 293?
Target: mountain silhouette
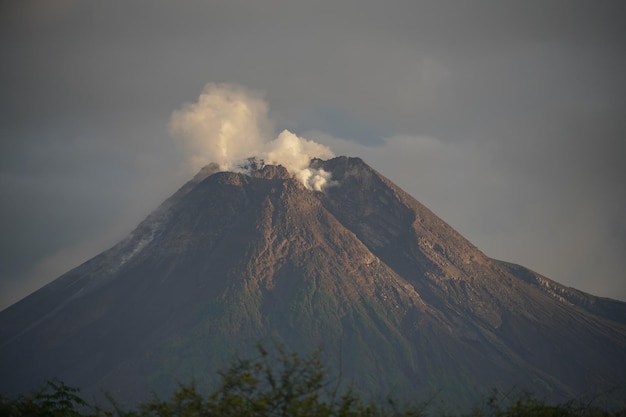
column 396, row 300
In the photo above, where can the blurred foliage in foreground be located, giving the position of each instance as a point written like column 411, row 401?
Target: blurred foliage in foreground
column 278, row 385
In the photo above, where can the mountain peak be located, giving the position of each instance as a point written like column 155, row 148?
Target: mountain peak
column 362, row 270
column 271, row 172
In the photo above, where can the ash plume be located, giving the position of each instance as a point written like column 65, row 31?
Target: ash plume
column 229, row 124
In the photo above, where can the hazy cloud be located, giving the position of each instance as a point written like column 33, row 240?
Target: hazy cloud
column 228, row 125
column 506, row 118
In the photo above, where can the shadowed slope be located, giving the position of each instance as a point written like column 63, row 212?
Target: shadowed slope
column 397, row 300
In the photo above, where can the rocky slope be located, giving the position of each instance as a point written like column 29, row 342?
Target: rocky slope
column 398, row 302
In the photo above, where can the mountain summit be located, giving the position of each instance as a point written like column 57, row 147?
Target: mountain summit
column 398, row 302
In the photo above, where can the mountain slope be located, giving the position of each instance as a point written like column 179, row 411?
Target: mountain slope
column 483, row 300
column 397, row 300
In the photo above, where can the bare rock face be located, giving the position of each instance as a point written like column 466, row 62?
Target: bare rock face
column 398, row 302
column 269, row 172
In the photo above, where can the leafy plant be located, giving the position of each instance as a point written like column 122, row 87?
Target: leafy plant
column 278, row 384
column 55, row 399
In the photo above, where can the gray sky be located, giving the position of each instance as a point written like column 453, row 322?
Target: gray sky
column 507, row 119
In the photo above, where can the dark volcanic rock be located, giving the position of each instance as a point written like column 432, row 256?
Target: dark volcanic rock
column 391, row 294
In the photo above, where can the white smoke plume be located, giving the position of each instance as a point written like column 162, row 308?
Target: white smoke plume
column 229, row 124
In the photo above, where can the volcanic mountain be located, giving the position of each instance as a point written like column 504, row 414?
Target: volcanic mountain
column 396, row 300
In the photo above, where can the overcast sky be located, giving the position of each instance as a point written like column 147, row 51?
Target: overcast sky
column 507, row 119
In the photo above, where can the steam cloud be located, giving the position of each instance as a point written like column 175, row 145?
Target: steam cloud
column 229, row 124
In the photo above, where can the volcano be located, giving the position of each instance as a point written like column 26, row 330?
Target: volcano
column 397, row 302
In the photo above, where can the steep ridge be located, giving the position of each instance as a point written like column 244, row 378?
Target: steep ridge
column 515, row 312
column 603, row 307
column 397, row 300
